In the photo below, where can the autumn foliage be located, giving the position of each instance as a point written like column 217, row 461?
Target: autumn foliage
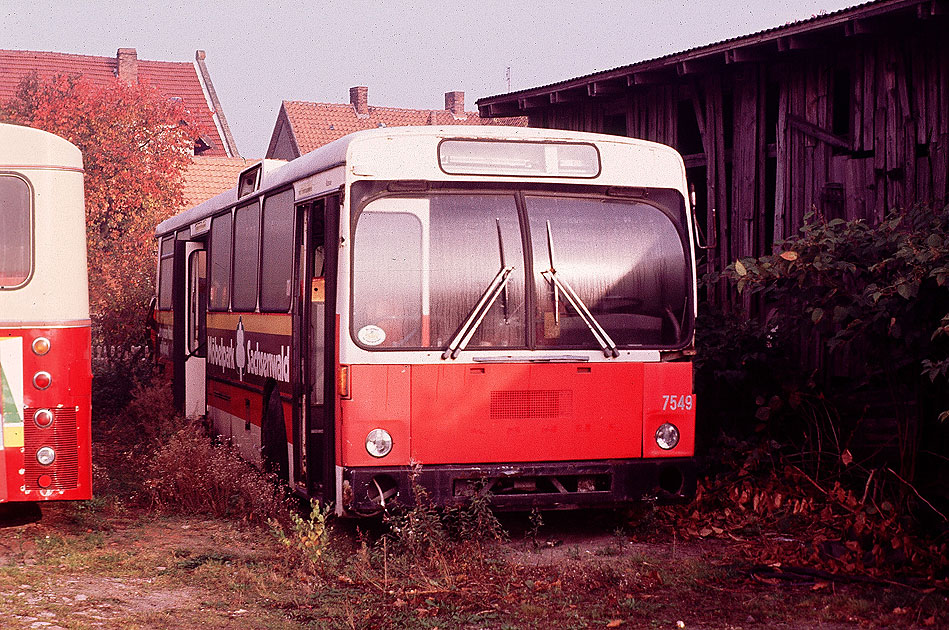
column 136, row 144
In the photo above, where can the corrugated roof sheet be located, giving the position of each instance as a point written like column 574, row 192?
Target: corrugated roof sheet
column 172, row 79
column 815, row 21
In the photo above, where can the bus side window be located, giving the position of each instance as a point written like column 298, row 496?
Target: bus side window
column 276, row 252
column 220, row 271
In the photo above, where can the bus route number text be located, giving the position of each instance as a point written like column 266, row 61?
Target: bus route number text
column 671, row 402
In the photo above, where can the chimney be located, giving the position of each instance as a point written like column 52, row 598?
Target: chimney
column 127, row 65
column 455, row 103
column 359, row 97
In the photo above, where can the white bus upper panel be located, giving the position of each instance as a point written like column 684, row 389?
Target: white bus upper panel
column 23, row 147
column 412, row 153
column 56, row 289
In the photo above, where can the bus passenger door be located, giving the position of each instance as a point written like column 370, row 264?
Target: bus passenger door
column 314, row 335
column 196, row 302
column 189, row 306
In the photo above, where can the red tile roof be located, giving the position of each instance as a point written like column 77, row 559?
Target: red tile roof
column 173, row 79
column 209, row 176
column 316, row 124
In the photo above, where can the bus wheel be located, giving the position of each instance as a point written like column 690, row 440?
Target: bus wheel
column 273, row 437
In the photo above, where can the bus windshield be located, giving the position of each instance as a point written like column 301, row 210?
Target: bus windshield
column 15, row 231
column 421, row 265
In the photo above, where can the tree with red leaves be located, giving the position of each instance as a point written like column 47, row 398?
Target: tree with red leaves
column 136, row 144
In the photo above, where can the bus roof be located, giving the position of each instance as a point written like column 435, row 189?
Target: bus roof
column 276, row 174
column 25, row 147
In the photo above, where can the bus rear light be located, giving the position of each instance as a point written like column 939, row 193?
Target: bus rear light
column 667, row 436
column 344, row 382
column 379, row 443
column 40, row 346
column 42, row 380
column 44, row 481
column 46, row 455
column 43, row 418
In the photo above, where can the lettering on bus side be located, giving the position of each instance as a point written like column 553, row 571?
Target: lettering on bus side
column 250, row 354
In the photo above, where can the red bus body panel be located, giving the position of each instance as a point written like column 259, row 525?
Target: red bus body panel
column 69, row 398
column 492, row 413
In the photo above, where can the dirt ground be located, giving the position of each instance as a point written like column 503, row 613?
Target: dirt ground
column 80, row 568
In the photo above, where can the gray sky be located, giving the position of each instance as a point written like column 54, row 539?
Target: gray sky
column 409, row 53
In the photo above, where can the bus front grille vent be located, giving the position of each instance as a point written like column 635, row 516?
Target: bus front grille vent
column 531, row 404
column 62, row 436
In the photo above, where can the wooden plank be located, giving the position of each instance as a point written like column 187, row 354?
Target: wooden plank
column 744, row 163
column 855, row 198
column 763, row 246
column 815, row 131
column 856, row 101
column 894, row 130
column 918, row 59
column 715, row 118
column 782, row 172
column 798, row 172
column 821, row 159
column 940, row 164
column 809, row 142
column 869, row 99
column 909, row 123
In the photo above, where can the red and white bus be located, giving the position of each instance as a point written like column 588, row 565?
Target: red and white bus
column 45, row 353
column 481, row 309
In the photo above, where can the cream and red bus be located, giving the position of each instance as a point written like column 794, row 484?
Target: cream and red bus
column 462, row 309
column 45, row 353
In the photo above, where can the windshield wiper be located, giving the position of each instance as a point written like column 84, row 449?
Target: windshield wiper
column 498, row 287
column 561, row 285
column 488, row 298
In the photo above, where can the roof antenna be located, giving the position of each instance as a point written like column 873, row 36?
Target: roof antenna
column 507, row 75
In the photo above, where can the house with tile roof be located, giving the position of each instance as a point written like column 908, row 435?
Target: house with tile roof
column 303, row 126
column 208, row 176
column 188, row 82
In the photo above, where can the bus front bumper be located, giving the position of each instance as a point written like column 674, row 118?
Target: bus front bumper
column 519, row 486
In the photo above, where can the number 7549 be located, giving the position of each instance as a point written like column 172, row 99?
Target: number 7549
column 671, row 402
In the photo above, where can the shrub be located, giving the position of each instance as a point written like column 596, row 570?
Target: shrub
column 191, row 473
column 863, row 312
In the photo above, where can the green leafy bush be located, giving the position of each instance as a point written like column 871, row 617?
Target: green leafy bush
column 851, row 319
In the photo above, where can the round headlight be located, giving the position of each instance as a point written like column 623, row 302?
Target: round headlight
column 667, row 436
column 378, row 443
column 43, row 418
column 46, row 455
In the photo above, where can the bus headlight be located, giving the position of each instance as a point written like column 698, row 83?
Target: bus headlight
column 46, row 455
column 378, row 443
column 667, row 436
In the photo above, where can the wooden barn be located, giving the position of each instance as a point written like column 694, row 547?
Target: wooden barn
column 845, row 113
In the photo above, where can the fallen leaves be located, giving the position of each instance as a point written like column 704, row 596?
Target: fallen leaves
column 777, row 513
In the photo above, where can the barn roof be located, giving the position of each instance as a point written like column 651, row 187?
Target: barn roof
column 805, row 34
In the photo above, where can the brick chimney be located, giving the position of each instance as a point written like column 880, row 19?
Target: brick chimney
column 359, row 97
column 455, row 103
column 127, row 65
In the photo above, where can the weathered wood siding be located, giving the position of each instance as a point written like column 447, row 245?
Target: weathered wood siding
column 848, row 128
